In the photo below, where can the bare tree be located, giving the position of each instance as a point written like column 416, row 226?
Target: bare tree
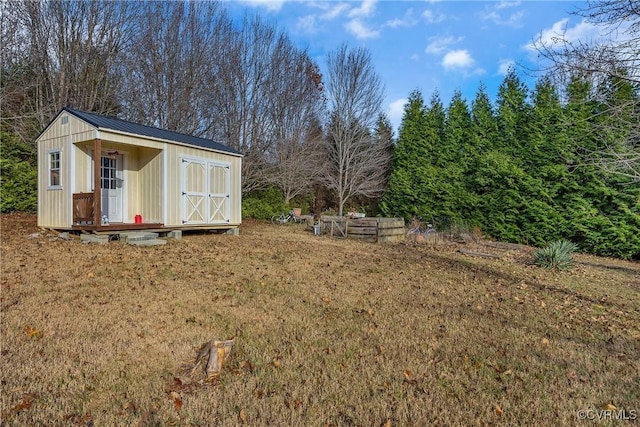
column 263, row 97
column 298, row 163
column 612, row 61
column 356, row 163
column 165, row 74
column 61, row 54
column 296, row 104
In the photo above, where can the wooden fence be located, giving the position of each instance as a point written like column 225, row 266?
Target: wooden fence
column 370, row 229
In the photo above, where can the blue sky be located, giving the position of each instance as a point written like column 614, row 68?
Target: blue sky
column 427, row 45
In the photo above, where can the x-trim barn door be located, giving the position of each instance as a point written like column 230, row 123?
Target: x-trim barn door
column 205, row 192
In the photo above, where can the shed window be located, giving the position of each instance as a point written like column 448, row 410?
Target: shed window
column 54, row 169
column 108, row 171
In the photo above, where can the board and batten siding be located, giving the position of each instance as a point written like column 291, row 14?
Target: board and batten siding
column 54, row 204
column 149, row 186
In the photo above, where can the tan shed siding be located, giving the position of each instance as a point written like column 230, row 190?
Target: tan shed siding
column 132, row 183
column 174, row 189
column 173, row 192
column 83, row 165
column 236, row 190
column 150, row 185
column 54, row 204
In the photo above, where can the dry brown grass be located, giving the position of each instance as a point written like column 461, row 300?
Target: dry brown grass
column 328, row 332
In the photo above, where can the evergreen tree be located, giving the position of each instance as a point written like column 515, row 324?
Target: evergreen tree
column 402, row 197
column 456, row 150
column 483, row 137
column 18, row 175
column 603, row 209
column 501, row 184
column 546, row 164
column 434, row 127
column 434, row 196
column 513, row 116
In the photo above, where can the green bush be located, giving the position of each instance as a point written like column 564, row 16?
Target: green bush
column 263, row 204
column 18, row 176
column 557, row 255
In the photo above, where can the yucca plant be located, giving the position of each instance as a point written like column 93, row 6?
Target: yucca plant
column 557, row 254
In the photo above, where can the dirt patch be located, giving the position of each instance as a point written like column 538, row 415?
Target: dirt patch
column 327, row 332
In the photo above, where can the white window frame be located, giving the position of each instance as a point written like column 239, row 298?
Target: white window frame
column 51, row 169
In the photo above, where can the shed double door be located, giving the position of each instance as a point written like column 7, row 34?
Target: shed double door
column 205, row 192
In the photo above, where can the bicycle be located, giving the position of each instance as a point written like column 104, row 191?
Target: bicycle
column 284, row 218
column 420, row 228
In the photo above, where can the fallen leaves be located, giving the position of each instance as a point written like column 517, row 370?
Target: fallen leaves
column 32, row 332
column 177, row 400
column 80, row 420
column 391, row 345
column 179, row 385
column 130, row 408
column 25, row 402
column 409, row 377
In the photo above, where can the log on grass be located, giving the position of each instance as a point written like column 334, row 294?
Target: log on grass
column 479, row 254
column 219, row 352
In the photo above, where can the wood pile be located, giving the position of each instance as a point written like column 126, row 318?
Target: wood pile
column 372, row 229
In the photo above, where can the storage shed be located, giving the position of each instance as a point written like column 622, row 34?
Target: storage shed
column 99, row 173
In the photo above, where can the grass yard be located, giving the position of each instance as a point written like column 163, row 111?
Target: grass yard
column 327, row 332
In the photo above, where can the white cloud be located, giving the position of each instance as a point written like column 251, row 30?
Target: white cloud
column 457, row 59
column 552, row 37
column 270, row 5
column 438, row 45
column 366, row 9
column 334, row 11
column 431, row 17
column 408, row 20
column 307, row 24
column 504, row 4
column 310, row 23
column 395, row 112
column 360, row 30
column 494, row 13
column 504, row 65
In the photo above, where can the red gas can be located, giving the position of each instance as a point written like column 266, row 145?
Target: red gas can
column 138, row 219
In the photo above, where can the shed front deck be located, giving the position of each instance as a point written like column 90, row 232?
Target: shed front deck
column 119, row 227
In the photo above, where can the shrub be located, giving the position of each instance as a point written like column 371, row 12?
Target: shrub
column 263, row 204
column 18, row 175
column 557, row 254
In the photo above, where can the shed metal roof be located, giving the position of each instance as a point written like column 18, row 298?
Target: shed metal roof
column 112, row 123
